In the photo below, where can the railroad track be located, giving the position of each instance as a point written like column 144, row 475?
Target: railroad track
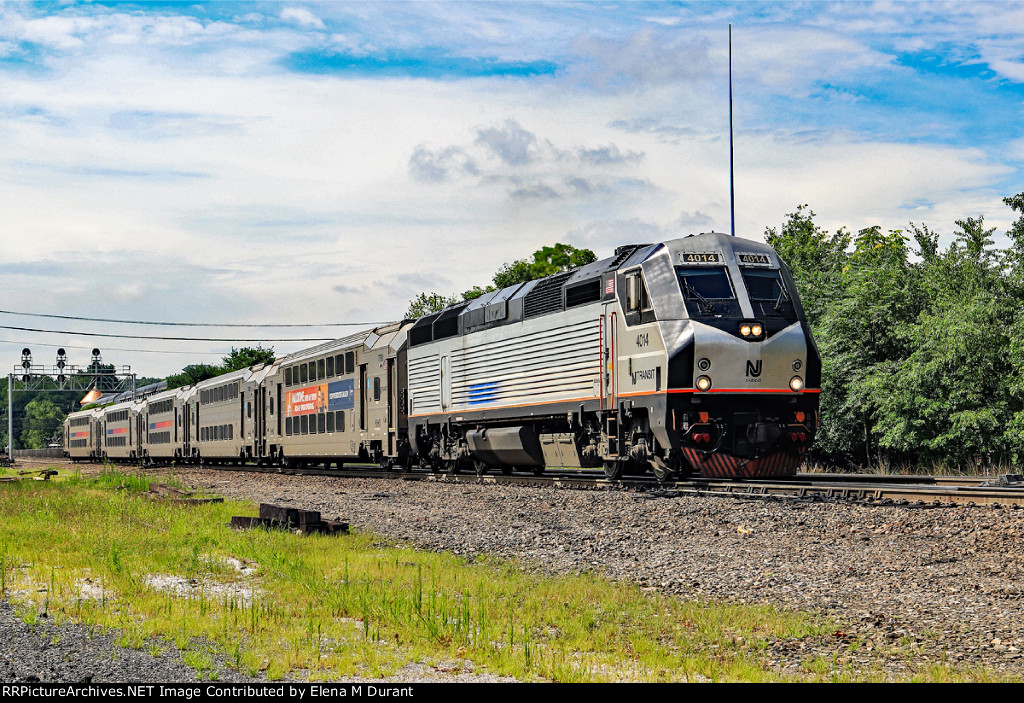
column 874, row 489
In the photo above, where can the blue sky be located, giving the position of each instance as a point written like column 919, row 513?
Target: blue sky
column 324, row 162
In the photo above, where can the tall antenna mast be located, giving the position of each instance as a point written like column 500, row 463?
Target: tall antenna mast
column 732, row 170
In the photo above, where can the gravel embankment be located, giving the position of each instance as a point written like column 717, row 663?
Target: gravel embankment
column 907, row 587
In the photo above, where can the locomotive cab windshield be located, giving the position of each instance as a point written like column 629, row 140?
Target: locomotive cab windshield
column 768, row 294
column 707, row 291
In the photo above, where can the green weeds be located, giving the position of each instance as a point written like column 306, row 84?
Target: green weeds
column 324, row 607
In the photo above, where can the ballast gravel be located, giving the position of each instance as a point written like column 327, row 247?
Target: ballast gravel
column 902, row 588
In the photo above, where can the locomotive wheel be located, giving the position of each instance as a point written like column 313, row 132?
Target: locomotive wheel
column 537, row 470
column 667, row 470
column 480, row 467
column 613, row 469
column 452, row 467
column 506, row 470
column 663, row 472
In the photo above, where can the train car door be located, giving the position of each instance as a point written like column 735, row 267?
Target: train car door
column 609, row 395
column 608, row 352
column 260, row 420
column 391, row 401
column 186, row 429
column 363, row 393
column 241, row 418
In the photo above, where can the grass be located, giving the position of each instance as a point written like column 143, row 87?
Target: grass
column 937, row 468
column 159, row 575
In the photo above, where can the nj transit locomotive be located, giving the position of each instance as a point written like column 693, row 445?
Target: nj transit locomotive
column 687, row 356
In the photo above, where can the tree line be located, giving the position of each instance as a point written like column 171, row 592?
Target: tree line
column 922, row 345
column 39, row 416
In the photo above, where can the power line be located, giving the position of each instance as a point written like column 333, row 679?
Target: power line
column 105, row 348
column 171, row 339
column 188, row 324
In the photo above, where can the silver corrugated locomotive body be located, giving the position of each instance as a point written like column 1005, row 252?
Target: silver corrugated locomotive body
column 689, row 355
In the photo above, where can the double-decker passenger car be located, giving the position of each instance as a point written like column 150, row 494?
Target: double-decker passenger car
column 83, row 435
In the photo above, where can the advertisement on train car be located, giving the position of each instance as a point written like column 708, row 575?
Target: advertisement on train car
column 323, row 397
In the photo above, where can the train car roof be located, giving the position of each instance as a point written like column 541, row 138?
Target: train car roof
column 392, row 333
column 236, row 375
column 164, row 395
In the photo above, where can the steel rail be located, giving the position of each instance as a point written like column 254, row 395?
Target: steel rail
column 874, row 489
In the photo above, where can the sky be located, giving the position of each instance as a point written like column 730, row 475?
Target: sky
column 322, row 163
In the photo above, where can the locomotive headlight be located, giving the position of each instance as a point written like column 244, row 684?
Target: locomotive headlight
column 745, row 330
column 756, row 330
column 796, row 383
column 704, row 364
column 703, row 383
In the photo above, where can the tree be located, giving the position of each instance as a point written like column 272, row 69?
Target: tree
column 815, row 257
column 43, row 419
column 238, row 359
column 922, row 351
column 426, row 303
column 247, row 356
column 193, row 374
column 546, row 261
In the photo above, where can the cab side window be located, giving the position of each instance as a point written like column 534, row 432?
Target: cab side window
column 637, row 303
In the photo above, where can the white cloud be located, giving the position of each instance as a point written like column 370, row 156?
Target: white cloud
column 302, row 17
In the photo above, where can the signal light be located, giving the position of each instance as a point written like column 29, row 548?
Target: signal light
column 703, row 383
column 703, row 416
column 800, row 417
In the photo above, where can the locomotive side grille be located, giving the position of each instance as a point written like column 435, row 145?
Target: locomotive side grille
column 425, row 384
column 546, row 296
column 624, row 252
column 583, row 293
column 423, row 331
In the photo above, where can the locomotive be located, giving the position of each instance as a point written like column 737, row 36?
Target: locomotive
column 690, row 356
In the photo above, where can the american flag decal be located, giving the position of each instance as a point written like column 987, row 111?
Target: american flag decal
column 609, row 287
